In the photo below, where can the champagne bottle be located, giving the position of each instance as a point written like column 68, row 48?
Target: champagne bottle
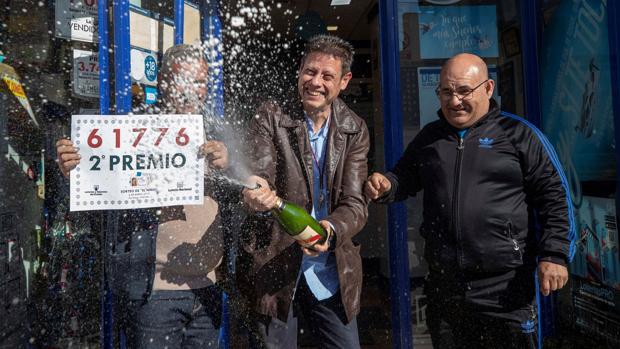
column 298, row 223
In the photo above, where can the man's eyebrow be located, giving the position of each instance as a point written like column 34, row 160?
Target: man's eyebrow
column 456, row 88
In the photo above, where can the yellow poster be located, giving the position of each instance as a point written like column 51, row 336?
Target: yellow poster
column 11, row 81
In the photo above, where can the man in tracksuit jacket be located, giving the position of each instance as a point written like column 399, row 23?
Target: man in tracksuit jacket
column 496, row 207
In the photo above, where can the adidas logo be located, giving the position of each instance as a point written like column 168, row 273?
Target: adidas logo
column 486, row 142
column 528, row 326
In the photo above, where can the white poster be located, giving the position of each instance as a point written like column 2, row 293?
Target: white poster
column 86, row 73
column 144, row 67
column 136, row 161
column 76, row 20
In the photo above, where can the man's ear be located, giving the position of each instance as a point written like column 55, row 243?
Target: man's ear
column 344, row 82
column 301, row 66
column 490, row 88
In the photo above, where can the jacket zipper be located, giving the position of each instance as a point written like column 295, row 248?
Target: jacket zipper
column 515, row 243
column 455, row 200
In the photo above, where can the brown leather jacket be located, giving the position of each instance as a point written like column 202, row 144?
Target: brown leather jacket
column 269, row 260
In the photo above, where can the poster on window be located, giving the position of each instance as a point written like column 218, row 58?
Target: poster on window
column 76, row 20
column 405, row 7
column 85, row 73
column 596, row 250
column 10, row 81
column 428, row 80
column 595, row 269
column 144, row 66
column 447, row 30
column 136, row 161
column 576, row 92
column 597, row 309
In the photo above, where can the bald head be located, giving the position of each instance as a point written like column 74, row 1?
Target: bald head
column 466, row 63
column 464, row 90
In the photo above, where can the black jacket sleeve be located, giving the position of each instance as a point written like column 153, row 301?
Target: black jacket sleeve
column 547, row 191
column 404, row 176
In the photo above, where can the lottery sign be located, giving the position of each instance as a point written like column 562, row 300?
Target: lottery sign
column 75, row 20
column 85, row 73
column 136, row 161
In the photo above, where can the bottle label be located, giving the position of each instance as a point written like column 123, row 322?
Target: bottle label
column 308, row 237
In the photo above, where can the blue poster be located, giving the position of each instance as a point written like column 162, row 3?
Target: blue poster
column 576, row 92
column 596, row 256
column 596, row 269
column 428, row 80
column 150, row 68
column 404, row 7
column 150, row 93
column 448, row 30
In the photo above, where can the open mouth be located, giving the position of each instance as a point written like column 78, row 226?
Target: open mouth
column 313, row 93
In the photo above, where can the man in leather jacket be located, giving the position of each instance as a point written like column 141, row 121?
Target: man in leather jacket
column 489, row 178
column 312, row 152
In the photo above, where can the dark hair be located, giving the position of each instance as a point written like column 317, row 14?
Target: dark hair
column 331, row 45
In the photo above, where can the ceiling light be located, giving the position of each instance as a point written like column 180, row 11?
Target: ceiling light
column 340, row 2
column 332, row 28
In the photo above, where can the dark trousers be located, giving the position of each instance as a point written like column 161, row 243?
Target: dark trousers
column 174, row 319
column 497, row 312
column 326, row 320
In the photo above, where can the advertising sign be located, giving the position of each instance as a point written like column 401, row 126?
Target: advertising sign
column 595, row 270
column 13, row 85
column 150, row 95
column 76, row 20
column 86, row 73
column 428, row 80
column 448, row 30
column 576, row 92
column 596, row 256
column 144, row 67
column 597, row 309
column 405, row 7
column 137, row 161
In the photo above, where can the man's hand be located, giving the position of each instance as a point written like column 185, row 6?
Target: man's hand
column 551, row 277
column 319, row 248
column 216, row 154
column 260, row 199
column 376, row 185
column 68, row 157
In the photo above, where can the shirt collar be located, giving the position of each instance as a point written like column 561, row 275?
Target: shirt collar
column 322, row 132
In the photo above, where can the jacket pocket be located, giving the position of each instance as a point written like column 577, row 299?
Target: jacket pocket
column 509, row 251
column 516, row 247
column 493, row 247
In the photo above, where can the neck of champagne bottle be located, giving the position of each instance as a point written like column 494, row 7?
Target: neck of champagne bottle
column 279, row 205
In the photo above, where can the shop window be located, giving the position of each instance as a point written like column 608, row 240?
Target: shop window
column 579, row 120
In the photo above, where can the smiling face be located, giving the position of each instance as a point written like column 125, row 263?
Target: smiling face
column 465, row 72
column 185, row 91
column 320, row 82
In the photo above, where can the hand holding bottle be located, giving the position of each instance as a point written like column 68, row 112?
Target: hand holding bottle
column 260, row 199
column 319, row 247
column 313, row 236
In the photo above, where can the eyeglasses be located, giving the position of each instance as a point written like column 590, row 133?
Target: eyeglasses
column 462, row 93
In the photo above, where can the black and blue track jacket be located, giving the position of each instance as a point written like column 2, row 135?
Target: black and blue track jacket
column 494, row 200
